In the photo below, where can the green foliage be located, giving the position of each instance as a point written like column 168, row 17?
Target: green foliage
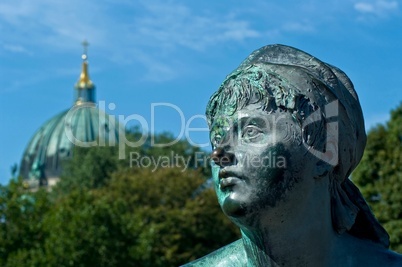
column 165, row 145
column 379, row 175
column 105, row 212
column 142, row 218
column 22, row 228
column 88, row 168
column 91, row 167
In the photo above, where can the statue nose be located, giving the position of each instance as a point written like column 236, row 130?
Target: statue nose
column 221, row 157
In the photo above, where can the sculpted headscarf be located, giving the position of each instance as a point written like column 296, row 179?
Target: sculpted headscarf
column 289, row 77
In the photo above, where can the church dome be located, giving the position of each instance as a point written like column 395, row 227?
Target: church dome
column 82, row 125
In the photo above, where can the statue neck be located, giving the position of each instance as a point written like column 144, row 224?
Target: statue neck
column 294, row 235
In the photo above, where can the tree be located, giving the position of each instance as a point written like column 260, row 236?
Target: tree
column 91, row 167
column 106, row 212
column 141, row 218
column 379, row 175
column 22, row 229
column 88, row 168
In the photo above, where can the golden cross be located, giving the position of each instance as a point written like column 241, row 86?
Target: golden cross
column 85, row 44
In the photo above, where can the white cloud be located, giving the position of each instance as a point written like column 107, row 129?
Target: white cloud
column 159, row 28
column 16, row 48
column 300, row 27
column 176, row 25
column 158, row 24
column 55, row 24
column 125, row 30
column 364, row 7
column 378, row 8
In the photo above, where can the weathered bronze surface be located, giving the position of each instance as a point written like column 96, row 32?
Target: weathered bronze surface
column 287, row 130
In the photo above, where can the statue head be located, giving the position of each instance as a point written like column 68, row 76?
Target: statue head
column 284, row 116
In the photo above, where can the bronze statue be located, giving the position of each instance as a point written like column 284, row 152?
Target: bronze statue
column 287, row 130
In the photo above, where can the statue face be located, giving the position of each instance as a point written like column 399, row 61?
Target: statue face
column 257, row 159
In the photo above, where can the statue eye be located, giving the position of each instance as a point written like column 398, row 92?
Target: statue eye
column 251, row 132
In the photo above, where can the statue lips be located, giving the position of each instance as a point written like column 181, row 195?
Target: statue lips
column 228, row 178
column 228, row 182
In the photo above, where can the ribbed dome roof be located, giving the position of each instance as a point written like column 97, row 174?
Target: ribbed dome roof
column 82, row 125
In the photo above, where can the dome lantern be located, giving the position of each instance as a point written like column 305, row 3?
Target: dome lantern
column 84, row 88
column 81, row 125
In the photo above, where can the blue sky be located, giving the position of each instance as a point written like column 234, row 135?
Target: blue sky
column 144, row 52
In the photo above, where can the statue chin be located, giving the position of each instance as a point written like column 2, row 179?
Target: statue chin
column 233, row 207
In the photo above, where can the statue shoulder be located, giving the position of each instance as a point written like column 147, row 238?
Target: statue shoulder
column 363, row 252
column 229, row 255
column 385, row 257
